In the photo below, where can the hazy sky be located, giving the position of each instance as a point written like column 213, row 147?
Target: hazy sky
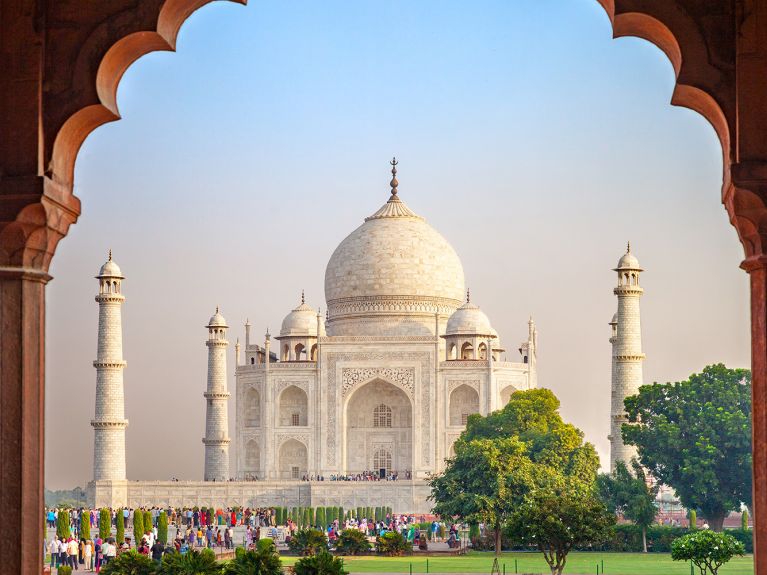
column 531, row 140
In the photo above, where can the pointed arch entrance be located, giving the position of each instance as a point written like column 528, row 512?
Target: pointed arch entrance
column 378, row 429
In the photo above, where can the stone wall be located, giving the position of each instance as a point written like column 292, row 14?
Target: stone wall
column 401, row 496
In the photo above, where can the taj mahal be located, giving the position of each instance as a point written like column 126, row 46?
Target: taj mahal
column 382, row 384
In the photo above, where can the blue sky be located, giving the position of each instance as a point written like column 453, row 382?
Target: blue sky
column 533, row 141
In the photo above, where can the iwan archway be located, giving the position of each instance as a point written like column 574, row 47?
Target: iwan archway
column 378, row 430
column 62, row 62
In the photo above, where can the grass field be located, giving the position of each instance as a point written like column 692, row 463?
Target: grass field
column 577, row 563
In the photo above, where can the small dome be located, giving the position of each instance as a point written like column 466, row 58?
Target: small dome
column 469, row 320
column 217, row 320
column 301, row 321
column 110, row 269
column 628, row 261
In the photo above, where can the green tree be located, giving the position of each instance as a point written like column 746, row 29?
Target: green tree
column 744, row 520
column 85, row 524
column 148, row 523
column 485, row 481
column 138, row 525
column 630, row 495
column 695, row 436
column 306, row 521
column 262, row 561
column 693, row 517
column 708, row 550
column 360, row 513
column 340, row 515
column 129, row 563
column 501, row 458
column 322, row 563
column 162, row 528
column 532, row 416
column 556, row 519
column 62, row 524
column 105, row 523
column 120, row 520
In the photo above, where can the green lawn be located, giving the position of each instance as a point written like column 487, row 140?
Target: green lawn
column 577, row 563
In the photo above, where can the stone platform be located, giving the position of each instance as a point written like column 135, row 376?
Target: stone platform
column 403, row 496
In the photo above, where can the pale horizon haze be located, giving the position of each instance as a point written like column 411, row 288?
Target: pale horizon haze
column 530, row 139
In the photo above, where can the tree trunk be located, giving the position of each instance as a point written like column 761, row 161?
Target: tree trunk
column 644, row 538
column 716, row 522
column 498, row 540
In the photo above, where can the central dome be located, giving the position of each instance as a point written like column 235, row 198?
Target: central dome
column 391, row 276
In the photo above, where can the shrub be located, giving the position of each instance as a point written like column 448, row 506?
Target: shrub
column 392, row 544
column 85, row 524
column 129, row 563
column 308, row 542
column 192, row 562
column 62, row 524
column 707, row 549
column 64, row 569
column 263, row 561
column 162, row 528
column 321, row 564
column 120, row 528
column 474, row 536
column 138, row 525
column 352, row 542
column 105, row 523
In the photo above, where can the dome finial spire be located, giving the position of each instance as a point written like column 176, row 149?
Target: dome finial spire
column 468, row 295
column 110, row 254
column 628, row 247
column 303, row 300
column 394, row 183
column 216, row 309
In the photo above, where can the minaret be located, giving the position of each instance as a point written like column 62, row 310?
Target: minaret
column 216, row 438
column 627, row 355
column 109, row 422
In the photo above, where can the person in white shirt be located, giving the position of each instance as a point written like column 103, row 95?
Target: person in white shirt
column 88, row 555
column 53, row 549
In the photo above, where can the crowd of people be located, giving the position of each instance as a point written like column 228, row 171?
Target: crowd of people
column 196, row 528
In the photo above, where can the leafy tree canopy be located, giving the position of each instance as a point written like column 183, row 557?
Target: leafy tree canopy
column 532, row 417
column 695, row 436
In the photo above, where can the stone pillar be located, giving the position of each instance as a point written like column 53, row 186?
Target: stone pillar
column 109, row 422
column 627, row 354
column 22, row 396
column 216, row 438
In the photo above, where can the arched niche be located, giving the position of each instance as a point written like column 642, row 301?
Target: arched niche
column 464, row 401
column 252, row 458
column 293, row 407
column 252, row 408
column 293, row 460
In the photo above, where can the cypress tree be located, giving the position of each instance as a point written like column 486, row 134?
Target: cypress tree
column 85, row 524
column 62, row 524
column 307, row 520
column 744, row 520
column 105, row 523
column 340, row 514
column 693, row 519
column 120, row 517
column 359, row 514
column 147, row 521
column 321, row 518
column 162, row 528
column 278, row 515
column 138, row 525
